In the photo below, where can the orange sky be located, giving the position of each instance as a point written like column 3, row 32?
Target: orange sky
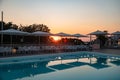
column 70, row 16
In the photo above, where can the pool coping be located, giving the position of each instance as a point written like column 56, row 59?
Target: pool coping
column 48, row 57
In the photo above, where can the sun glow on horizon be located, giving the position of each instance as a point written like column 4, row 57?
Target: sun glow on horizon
column 56, row 38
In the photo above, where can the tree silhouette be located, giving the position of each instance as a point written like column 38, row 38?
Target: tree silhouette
column 29, row 28
column 103, row 39
column 34, row 27
column 8, row 25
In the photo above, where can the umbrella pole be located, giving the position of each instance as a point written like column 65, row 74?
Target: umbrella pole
column 1, row 39
column 11, row 40
column 39, row 40
column 90, row 40
column 77, row 40
column 23, row 39
column 1, row 27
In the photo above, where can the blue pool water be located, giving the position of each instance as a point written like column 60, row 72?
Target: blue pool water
column 73, row 66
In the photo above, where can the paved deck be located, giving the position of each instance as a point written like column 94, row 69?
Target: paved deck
column 109, row 51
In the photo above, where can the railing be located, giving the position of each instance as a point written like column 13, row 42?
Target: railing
column 18, row 49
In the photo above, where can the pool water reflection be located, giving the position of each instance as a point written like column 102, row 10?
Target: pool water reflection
column 94, row 68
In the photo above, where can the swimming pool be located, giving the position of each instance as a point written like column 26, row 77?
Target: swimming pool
column 62, row 66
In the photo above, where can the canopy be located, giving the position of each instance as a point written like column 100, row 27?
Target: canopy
column 78, row 35
column 98, row 33
column 13, row 32
column 40, row 33
column 116, row 33
column 63, row 34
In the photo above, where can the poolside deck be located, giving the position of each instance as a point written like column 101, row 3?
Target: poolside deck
column 109, row 51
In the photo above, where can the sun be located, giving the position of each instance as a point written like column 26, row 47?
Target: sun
column 56, row 38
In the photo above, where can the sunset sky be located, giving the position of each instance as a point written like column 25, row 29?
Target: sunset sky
column 70, row 16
